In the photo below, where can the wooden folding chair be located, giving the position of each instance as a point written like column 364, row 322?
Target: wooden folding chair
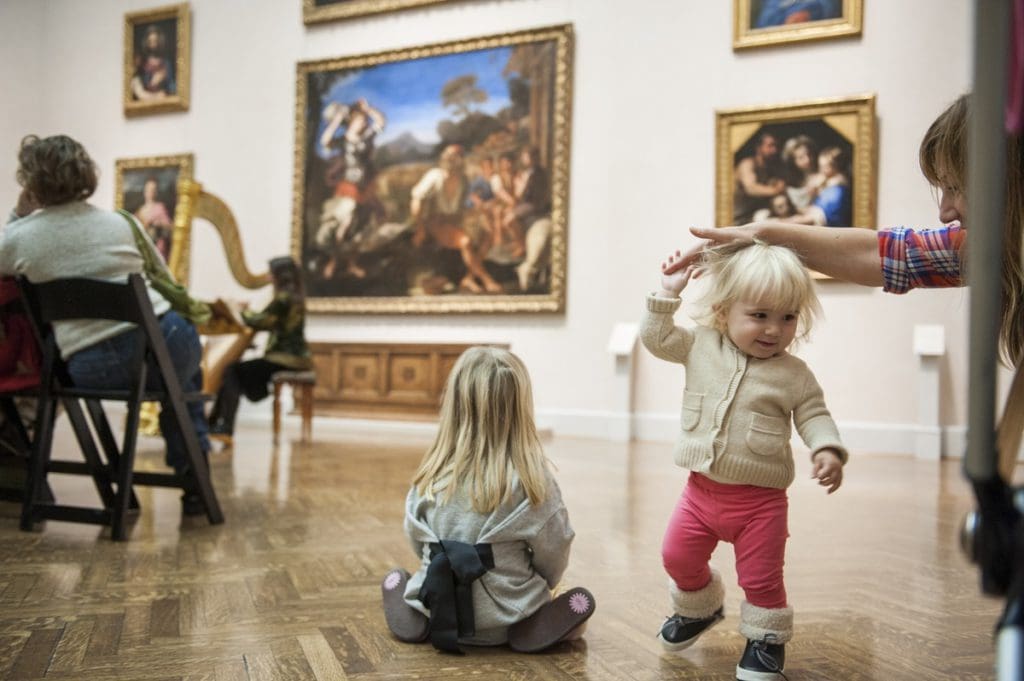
column 66, row 299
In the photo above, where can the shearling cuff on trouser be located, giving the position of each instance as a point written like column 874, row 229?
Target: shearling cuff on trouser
column 701, row 603
column 756, row 623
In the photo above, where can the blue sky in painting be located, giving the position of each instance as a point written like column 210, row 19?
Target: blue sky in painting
column 408, row 93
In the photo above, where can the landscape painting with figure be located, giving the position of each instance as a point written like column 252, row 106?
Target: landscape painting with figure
column 435, row 179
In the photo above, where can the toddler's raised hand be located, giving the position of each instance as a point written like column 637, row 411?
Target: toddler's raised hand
column 827, row 468
column 674, row 278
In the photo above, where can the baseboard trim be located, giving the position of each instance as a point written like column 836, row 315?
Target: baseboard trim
column 859, row 436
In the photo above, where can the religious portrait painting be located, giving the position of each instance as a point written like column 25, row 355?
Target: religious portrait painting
column 148, row 189
column 809, row 163
column 156, row 60
column 435, row 178
column 758, row 23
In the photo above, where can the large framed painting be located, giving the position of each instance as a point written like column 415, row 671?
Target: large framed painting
column 157, row 60
column 435, row 178
column 318, row 11
column 809, row 163
column 148, row 189
column 757, row 23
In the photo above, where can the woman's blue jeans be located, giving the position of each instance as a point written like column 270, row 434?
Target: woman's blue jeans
column 103, row 365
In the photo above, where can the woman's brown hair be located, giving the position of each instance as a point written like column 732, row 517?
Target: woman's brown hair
column 55, row 170
column 943, row 157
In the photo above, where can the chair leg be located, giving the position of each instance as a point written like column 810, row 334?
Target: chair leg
column 307, row 413
column 277, row 411
column 125, row 471
column 109, row 444
column 100, row 472
column 36, row 474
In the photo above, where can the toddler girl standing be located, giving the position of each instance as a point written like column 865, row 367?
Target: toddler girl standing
column 742, row 392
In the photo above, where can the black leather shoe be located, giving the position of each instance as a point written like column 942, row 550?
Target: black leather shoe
column 679, row 633
column 762, row 661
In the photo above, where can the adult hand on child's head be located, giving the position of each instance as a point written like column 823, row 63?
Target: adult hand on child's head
column 827, row 468
column 725, row 235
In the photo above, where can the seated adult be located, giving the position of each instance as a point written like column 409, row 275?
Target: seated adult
column 285, row 319
column 54, row 233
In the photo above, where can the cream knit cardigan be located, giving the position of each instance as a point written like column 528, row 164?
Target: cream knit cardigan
column 738, row 410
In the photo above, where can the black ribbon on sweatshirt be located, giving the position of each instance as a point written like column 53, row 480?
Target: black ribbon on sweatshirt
column 447, row 590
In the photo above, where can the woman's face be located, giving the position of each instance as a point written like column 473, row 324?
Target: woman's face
column 802, row 159
column 952, row 205
column 149, row 190
column 153, row 41
column 952, row 198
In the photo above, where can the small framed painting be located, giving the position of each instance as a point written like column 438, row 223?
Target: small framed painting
column 148, row 189
column 758, row 23
column 156, row 60
column 807, row 163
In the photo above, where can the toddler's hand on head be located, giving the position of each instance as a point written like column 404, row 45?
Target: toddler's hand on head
column 675, row 273
column 827, row 469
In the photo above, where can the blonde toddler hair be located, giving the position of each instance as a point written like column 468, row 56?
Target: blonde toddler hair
column 761, row 273
column 487, row 439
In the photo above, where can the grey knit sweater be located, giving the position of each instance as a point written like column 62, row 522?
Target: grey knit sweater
column 530, row 545
column 74, row 240
column 738, row 410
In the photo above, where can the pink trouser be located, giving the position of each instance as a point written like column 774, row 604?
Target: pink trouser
column 753, row 519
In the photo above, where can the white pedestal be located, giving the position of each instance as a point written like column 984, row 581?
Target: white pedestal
column 929, row 346
column 621, row 345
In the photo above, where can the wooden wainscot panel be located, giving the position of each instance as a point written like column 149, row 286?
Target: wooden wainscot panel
column 383, row 380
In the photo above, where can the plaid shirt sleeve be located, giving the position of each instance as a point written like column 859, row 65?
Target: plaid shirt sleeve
column 927, row 258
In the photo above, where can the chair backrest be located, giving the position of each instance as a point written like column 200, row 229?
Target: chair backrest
column 80, row 298
column 86, row 299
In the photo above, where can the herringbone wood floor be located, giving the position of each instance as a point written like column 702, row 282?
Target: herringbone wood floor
column 288, row 587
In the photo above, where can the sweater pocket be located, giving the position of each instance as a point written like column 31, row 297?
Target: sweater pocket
column 767, row 434
column 691, row 409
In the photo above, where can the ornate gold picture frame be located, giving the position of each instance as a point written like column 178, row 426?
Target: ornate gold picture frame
column 758, row 23
column 809, row 162
column 157, row 60
column 435, row 178
column 148, row 189
column 320, row 11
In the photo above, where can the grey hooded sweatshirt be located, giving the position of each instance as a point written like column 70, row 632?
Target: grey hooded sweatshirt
column 530, row 545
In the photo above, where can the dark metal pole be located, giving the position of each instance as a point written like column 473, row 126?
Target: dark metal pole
column 986, row 217
column 998, row 545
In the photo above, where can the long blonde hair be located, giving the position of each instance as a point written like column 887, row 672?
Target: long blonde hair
column 943, row 157
column 487, row 438
column 757, row 272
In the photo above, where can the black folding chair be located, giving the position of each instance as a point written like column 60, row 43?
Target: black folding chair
column 67, row 299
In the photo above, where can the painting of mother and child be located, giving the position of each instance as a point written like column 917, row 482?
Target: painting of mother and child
column 435, row 183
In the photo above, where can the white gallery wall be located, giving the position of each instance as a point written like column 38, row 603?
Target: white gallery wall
column 649, row 75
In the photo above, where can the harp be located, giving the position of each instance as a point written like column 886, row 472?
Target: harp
column 226, row 340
